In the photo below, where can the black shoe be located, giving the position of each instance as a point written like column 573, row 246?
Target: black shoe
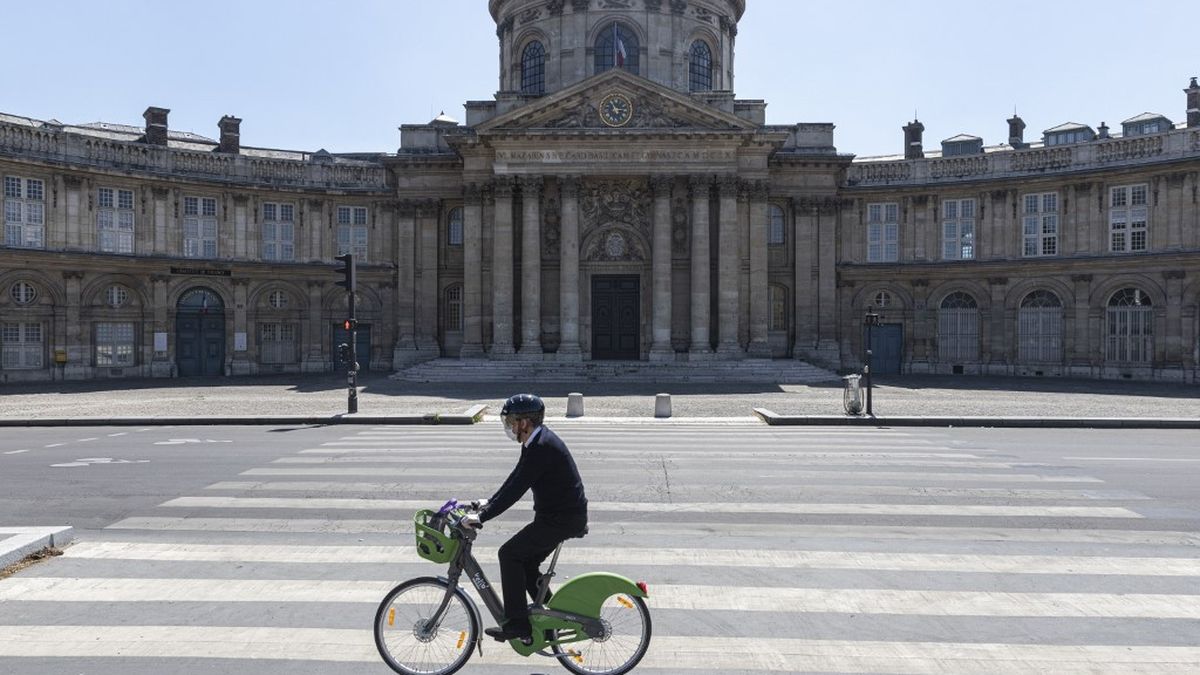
column 501, row 634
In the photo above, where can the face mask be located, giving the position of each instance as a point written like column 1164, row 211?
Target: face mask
column 512, row 435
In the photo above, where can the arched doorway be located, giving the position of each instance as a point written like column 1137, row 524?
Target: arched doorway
column 200, row 333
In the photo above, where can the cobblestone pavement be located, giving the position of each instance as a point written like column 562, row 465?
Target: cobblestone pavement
column 326, row 394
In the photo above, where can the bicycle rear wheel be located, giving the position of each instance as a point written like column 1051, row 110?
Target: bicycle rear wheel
column 625, row 641
column 406, row 641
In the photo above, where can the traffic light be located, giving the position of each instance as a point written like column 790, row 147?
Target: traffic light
column 349, row 277
column 343, row 353
column 350, row 324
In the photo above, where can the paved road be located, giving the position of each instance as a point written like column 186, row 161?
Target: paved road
column 236, row 550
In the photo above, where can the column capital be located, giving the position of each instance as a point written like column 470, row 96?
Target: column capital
column 72, row 274
column 700, row 182
column 1077, row 278
column 406, row 208
column 160, row 278
column 472, row 192
column 532, row 185
column 728, row 185
column 503, row 187
column 661, row 185
column 760, row 189
column 568, row 186
column 426, row 207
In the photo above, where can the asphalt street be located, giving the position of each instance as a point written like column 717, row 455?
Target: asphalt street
column 266, row 550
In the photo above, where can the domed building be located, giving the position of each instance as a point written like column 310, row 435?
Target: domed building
column 614, row 201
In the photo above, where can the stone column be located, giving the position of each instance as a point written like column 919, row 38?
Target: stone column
column 701, row 347
column 240, row 226
column 1078, row 345
column 316, row 223
column 660, row 347
column 568, row 348
column 727, row 270
column 502, row 270
column 78, row 337
column 1173, row 337
column 160, row 362
column 314, row 333
column 804, row 235
column 997, row 352
column 427, row 293
column 406, row 282
column 531, row 268
column 827, row 293
column 472, row 346
column 760, row 288
column 162, row 223
column 240, row 363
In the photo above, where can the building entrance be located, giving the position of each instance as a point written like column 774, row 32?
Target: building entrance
column 615, row 317
column 200, row 333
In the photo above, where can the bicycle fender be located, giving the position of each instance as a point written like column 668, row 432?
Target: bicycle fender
column 462, row 593
column 587, row 592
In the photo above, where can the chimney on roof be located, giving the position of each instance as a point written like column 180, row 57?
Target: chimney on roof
column 1016, row 132
column 1102, row 131
column 1193, row 104
column 156, row 125
column 231, row 134
column 912, row 140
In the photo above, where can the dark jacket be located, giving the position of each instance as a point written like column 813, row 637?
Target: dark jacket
column 547, row 468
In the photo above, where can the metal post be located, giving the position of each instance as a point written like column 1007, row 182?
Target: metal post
column 870, row 320
column 352, row 377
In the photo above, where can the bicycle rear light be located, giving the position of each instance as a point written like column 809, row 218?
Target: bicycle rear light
column 645, row 589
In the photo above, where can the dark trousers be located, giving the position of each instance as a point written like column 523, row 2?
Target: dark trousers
column 523, row 554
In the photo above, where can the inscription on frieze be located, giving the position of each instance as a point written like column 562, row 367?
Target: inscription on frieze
column 614, row 156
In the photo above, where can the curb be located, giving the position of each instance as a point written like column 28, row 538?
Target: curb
column 473, row 415
column 18, row 542
column 775, row 419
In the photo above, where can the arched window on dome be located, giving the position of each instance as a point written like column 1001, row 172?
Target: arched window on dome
column 700, row 69
column 617, row 47
column 533, row 69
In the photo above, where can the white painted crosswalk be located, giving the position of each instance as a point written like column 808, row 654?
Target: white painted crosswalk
column 799, row 550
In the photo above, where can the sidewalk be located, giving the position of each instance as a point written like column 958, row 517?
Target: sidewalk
column 325, row 395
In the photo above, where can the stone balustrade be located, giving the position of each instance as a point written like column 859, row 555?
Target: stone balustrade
column 59, row 146
column 1131, row 151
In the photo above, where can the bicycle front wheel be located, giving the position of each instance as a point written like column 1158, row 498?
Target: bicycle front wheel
column 406, row 637
column 625, row 641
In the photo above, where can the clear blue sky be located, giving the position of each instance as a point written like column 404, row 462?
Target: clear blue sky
column 343, row 76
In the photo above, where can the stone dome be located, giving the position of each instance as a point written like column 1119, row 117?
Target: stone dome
column 547, row 45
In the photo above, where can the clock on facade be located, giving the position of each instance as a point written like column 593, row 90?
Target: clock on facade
column 616, row 110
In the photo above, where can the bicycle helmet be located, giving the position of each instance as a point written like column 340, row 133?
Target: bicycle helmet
column 520, row 407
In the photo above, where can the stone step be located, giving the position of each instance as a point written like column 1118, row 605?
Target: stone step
column 479, row 370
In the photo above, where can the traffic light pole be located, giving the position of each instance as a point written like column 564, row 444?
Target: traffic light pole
column 349, row 282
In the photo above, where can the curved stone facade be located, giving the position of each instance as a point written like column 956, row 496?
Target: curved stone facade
column 617, row 214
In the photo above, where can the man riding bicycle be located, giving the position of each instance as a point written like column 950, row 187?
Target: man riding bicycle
column 559, row 504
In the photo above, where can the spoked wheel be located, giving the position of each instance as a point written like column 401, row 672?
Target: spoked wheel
column 410, row 644
column 625, row 641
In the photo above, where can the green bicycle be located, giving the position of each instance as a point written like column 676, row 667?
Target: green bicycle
column 595, row 624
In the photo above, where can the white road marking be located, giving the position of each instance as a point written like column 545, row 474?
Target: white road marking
column 15, row 452
column 965, row 510
column 645, row 457
column 671, row 451
column 119, row 433
column 924, row 476
column 664, row 596
column 669, row 652
column 54, row 445
column 1134, row 459
column 85, row 440
column 809, row 489
column 642, row 529
column 602, row 556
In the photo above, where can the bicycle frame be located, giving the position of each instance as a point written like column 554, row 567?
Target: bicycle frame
column 572, row 614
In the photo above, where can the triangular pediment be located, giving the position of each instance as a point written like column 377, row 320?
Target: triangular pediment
column 586, row 105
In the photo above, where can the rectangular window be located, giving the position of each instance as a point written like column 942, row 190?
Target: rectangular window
column 775, row 226
column 1127, row 218
column 777, row 297
column 24, row 212
column 278, row 232
column 21, row 344
column 199, row 227
column 958, row 229
column 114, row 345
column 277, row 343
column 883, row 232
column 114, row 220
column 352, row 231
column 1040, row 222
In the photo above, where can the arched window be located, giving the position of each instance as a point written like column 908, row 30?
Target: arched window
column 454, row 309
column 617, row 47
column 700, row 68
column 1130, row 336
column 454, row 227
column 777, row 298
column 775, row 225
column 1040, row 328
column 533, row 69
column 958, row 328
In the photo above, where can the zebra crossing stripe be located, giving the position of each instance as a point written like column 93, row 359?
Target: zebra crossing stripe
column 775, row 559
column 663, row 596
column 670, row 652
column 808, row 490
column 983, row 510
column 402, row 527
column 443, row 451
column 592, row 463
column 924, row 476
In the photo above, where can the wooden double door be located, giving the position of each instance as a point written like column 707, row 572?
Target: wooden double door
column 616, row 317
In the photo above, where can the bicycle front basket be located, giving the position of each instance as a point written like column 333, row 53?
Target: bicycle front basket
column 433, row 545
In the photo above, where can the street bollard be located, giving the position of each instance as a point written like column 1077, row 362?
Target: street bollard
column 574, row 404
column 662, row 405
